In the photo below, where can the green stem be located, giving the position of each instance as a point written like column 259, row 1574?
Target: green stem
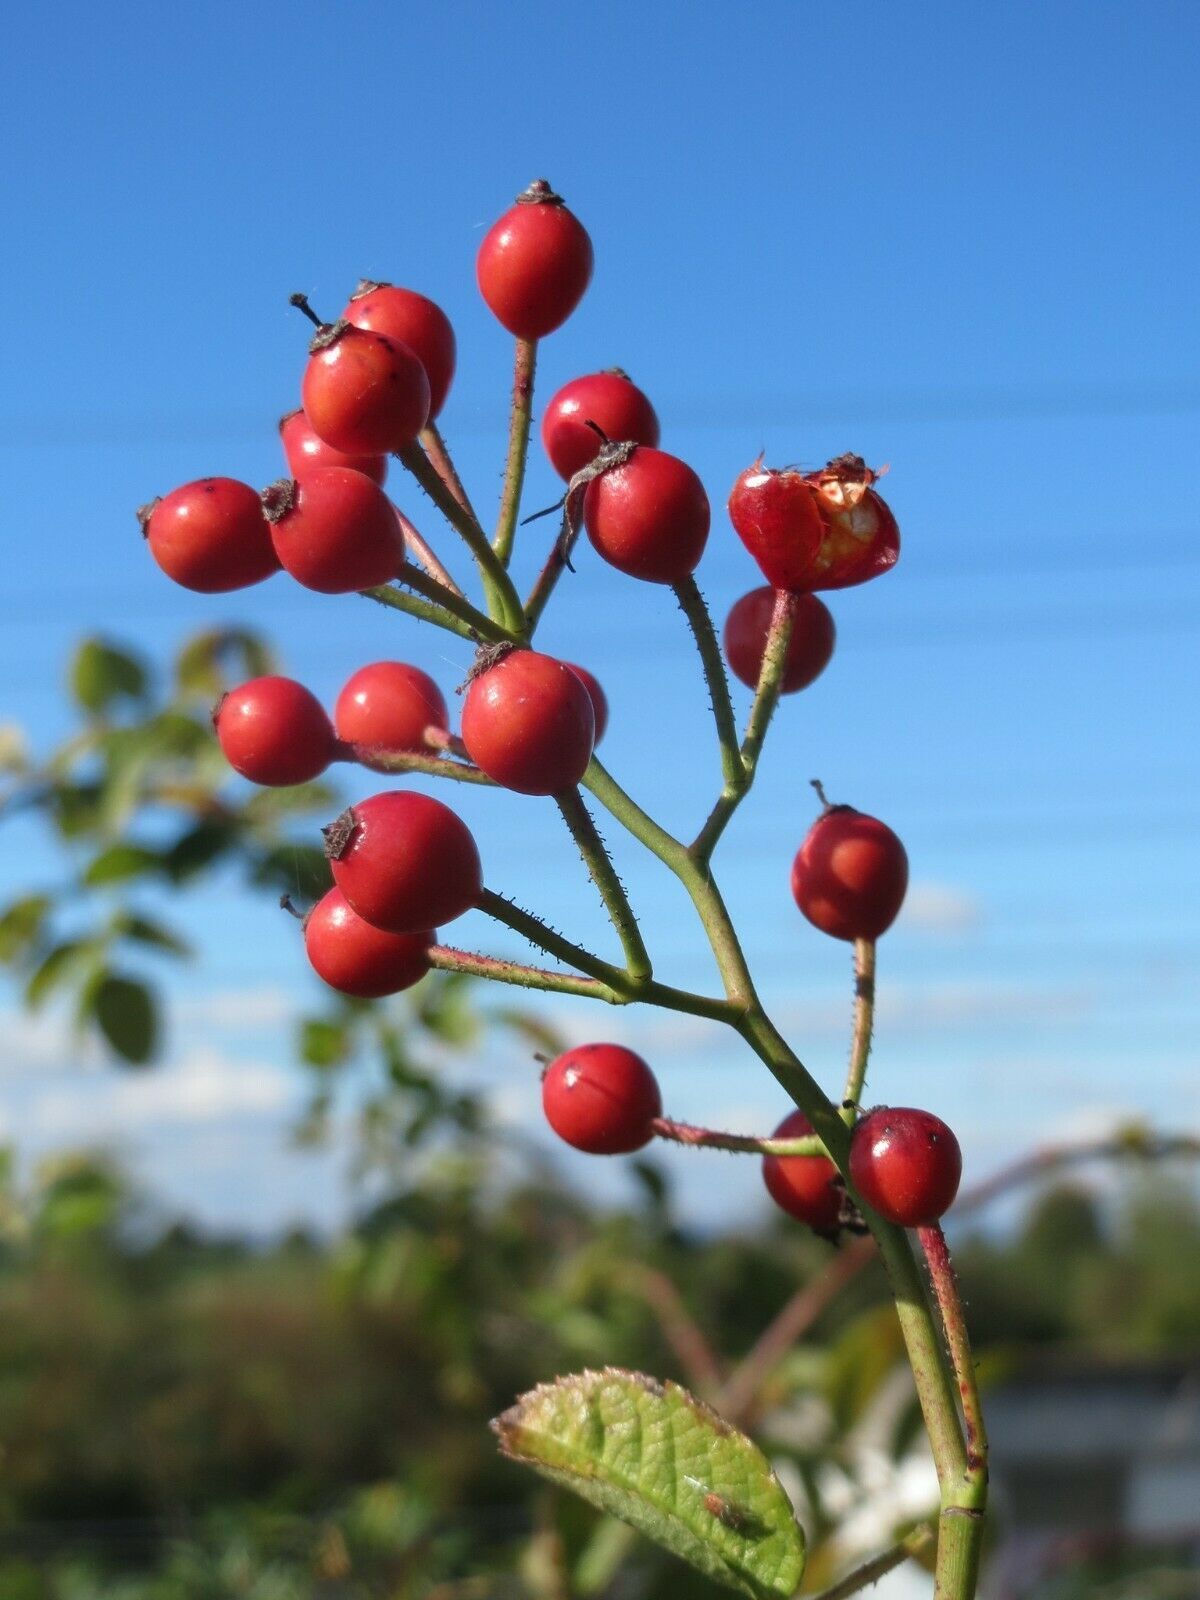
column 545, row 938
column 452, row 601
column 447, row 959
column 503, row 603
column 738, row 1143
column 691, row 602
column 864, row 1021
column 556, row 564
column 960, row 1545
column 426, row 556
column 602, row 873
column 879, row 1566
column 378, row 759
column 945, row 1289
column 524, row 368
column 386, row 595
column 766, row 698
column 440, row 460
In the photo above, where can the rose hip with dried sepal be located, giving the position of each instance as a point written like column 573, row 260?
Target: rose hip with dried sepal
column 334, row 530
column 906, row 1165
column 358, row 959
column 304, row 450
column 210, row 536
column 601, row 1098
column 404, row 861
column 528, row 723
column 648, row 516
column 410, row 319
column 534, row 263
column 608, row 401
column 274, row 731
column 362, row 392
column 850, row 875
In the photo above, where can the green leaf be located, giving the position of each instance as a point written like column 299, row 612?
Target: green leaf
column 57, row 966
column 300, row 869
column 445, row 1009
column 21, row 923
column 198, row 848
column 211, row 661
column 324, row 1043
column 126, row 1014
column 100, row 674
column 119, row 863
column 535, row 1029
column 653, row 1455
column 144, row 930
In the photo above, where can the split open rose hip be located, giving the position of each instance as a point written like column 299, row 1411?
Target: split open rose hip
column 815, row 530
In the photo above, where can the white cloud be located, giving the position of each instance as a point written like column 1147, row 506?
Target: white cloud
column 266, row 1007
column 940, row 908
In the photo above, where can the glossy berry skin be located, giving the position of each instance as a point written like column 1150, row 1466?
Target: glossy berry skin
column 534, row 264
column 817, row 530
column 409, row 318
column 601, row 1098
column 304, row 450
column 404, row 861
column 850, row 875
column 809, row 648
column 334, row 530
column 806, row 1187
column 356, row 959
column 648, row 517
column 389, row 705
column 597, row 696
column 362, row 392
column 274, row 731
column 210, row 536
column 618, row 408
column 905, row 1164
column 528, row 723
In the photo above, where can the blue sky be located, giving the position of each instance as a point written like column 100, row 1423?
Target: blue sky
column 953, row 239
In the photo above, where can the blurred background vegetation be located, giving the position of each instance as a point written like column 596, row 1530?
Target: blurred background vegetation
column 184, row 1416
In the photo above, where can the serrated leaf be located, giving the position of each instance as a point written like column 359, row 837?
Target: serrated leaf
column 21, row 923
column 653, row 1455
column 119, row 863
column 126, row 1014
column 100, row 674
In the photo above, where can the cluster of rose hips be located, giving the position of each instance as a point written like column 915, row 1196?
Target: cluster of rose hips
column 403, row 863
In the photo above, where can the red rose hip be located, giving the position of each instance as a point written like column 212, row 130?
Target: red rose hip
column 410, row 319
column 404, row 861
column 601, row 1098
column 809, row 648
column 210, row 536
column 528, row 723
column 334, row 530
column 649, row 516
column 360, row 960
column 609, row 399
column 597, row 696
column 815, row 530
column 850, row 875
column 363, row 393
column 534, row 264
column 905, row 1164
column 806, row 1187
column 389, row 705
column 304, row 450
column 274, row 731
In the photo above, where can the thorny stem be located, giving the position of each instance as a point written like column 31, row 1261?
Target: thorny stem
column 603, row 874
column 945, row 1289
column 766, row 698
column 426, row 556
column 737, row 1143
column 691, row 603
column 545, row 938
column 864, row 1020
column 879, row 1566
column 380, row 759
column 451, row 600
column 504, row 606
column 447, row 959
column 555, row 565
column 524, row 368
column 440, row 459
column 386, row 595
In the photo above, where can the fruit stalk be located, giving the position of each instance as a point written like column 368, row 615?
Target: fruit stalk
column 603, row 874
column 520, row 416
column 864, row 1021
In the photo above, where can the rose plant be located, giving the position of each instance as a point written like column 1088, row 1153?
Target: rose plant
column 404, row 864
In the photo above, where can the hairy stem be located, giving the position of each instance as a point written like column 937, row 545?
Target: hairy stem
column 691, row 603
column 440, row 460
column 379, row 759
column 451, row 600
column 945, row 1289
column 425, row 555
column 879, row 1566
column 540, row 933
column 864, row 1021
column 603, row 874
column 503, row 604
column 447, row 959
column 738, row 1143
column 385, row 595
column 524, row 368
column 556, row 562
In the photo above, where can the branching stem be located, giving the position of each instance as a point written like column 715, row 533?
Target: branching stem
column 603, row 874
